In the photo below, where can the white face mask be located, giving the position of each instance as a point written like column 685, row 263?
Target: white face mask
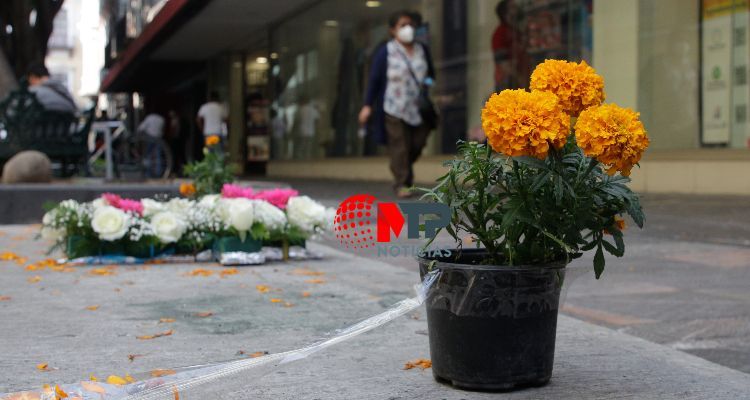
column 406, row 34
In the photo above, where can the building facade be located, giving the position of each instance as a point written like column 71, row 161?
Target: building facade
column 293, row 76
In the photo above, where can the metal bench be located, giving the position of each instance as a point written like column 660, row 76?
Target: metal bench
column 26, row 125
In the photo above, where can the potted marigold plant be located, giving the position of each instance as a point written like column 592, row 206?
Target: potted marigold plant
column 550, row 183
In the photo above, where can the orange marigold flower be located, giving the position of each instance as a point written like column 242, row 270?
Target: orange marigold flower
column 619, row 224
column 521, row 123
column 577, row 85
column 212, row 140
column 187, row 189
column 613, row 135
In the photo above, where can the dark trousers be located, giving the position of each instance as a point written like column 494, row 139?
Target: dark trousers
column 405, row 144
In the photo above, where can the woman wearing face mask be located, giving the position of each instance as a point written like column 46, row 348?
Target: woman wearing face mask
column 400, row 69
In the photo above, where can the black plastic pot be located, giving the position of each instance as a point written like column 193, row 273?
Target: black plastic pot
column 492, row 327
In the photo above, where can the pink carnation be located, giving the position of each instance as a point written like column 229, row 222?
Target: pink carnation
column 123, row 204
column 230, row 191
column 277, row 197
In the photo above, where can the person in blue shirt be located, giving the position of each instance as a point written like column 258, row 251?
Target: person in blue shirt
column 400, row 68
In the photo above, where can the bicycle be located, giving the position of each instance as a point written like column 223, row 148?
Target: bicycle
column 134, row 156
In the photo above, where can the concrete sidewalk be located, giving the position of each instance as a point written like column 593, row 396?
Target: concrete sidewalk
column 46, row 320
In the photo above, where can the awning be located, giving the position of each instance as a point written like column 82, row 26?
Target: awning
column 186, row 33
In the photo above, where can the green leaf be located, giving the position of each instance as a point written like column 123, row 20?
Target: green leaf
column 531, row 162
column 599, row 261
column 611, row 249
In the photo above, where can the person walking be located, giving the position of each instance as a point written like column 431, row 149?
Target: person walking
column 400, row 73
column 153, row 127
column 211, row 118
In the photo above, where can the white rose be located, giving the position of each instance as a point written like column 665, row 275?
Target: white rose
column 152, row 207
column 269, row 215
column 209, row 200
column 168, row 226
column 99, row 203
column 110, row 223
column 237, row 213
column 179, row 206
column 305, row 213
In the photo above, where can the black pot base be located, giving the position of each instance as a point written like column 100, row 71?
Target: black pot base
column 492, row 328
column 492, row 387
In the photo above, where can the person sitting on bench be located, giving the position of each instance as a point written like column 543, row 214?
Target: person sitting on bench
column 52, row 95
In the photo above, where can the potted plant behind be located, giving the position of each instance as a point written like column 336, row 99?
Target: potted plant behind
column 533, row 198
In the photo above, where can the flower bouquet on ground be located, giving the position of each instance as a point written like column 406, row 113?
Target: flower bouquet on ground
column 550, row 183
column 293, row 220
column 115, row 226
column 234, row 227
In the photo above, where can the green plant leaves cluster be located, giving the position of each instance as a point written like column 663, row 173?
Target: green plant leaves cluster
column 211, row 173
column 526, row 211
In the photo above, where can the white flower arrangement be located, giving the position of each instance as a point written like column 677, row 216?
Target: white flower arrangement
column 187, row 225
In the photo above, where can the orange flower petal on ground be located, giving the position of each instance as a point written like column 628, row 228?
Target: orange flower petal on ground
column 9, row 256
column 200, row 272
column 156, row 335
column 305, row 294
column 59, row 393
column 613, row 135
column 92, row 308
column 315, row 281
column 158, row 373
column 263, row 288
column 93, row 387
column 42, row 367
column 5, row 298
column 420, row 362
column 576, row 85
column 116, row 380
column 205, row 314
column 306, row 272
column 166, row 320
column 521, row 123
column 103, row 271
column 34, row 279
column 276, row 300
column 229, row 271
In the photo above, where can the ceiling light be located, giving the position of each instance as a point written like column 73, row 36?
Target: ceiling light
column 372, row 3
column 274, row 56
column 332, row 23
column 261, row 60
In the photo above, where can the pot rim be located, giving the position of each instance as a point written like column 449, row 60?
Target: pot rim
column 560, row 264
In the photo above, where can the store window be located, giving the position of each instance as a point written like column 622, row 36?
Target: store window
column 319, row 61
column 724, row 69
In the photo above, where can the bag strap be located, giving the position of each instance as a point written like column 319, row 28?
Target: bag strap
column 408, row 66
column 64, row 95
